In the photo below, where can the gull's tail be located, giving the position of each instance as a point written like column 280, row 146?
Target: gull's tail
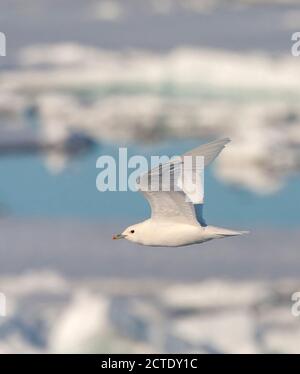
column 221, row 232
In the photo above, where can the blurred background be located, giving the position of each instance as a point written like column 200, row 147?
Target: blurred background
column 84, row 77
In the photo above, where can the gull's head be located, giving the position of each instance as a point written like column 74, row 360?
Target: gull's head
column 132, row 233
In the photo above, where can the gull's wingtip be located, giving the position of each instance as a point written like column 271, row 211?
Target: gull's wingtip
column 224, row 140
column 209, row 150
column 218, row 142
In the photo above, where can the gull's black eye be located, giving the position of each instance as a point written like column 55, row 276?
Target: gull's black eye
column 132, row 231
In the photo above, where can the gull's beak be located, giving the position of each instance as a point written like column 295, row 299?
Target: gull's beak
column 119, row 236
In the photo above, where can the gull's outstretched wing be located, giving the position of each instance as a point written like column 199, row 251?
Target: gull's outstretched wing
column 171, row 206
column 174, row 203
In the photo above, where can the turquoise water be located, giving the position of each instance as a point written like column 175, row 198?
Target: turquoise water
column 29, row 189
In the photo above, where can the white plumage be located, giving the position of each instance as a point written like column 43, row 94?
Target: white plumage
column 176, row 214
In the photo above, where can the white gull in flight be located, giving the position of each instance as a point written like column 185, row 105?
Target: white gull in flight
column 176, row 219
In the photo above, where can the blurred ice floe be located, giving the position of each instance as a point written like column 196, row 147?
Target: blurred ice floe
column 107, row 10
column 47, row 313
column 144, row 97
column 111, row 10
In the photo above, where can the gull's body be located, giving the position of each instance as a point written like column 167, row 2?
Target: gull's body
column 166, row 234
column 175, row 220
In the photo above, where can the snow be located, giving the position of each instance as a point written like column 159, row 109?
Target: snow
column 184, row 93
column 47, row 313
